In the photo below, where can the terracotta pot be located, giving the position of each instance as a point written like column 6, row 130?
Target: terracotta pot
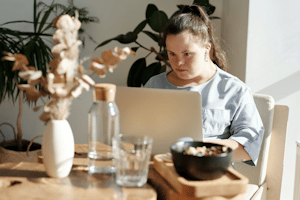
column 58, row 148
column 9, row 153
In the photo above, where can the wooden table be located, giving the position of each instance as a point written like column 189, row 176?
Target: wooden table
column 26, row 180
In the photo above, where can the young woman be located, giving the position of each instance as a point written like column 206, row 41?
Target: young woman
column 230, row 116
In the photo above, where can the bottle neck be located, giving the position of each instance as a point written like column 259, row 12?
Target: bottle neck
column 105, row 92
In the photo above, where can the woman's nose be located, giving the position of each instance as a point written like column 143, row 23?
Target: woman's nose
column 179, row 61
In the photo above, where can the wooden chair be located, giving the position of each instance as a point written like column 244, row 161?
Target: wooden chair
column 265, row 179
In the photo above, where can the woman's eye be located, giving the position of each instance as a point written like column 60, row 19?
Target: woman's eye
column 187, row 54
column 171, row 54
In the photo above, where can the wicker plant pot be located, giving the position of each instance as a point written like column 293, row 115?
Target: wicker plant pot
column 9, row 153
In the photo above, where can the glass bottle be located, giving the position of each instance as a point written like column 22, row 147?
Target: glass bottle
column 103, row 123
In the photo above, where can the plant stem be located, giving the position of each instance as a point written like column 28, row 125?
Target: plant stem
column 149, row 54
column 160, row 56
column 142, row 46
column 19, row 135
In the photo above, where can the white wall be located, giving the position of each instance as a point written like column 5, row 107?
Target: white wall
column 234, row 29
column 273, row 67
column 265, row 37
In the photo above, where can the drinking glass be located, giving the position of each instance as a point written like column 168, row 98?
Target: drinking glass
column 131, row 157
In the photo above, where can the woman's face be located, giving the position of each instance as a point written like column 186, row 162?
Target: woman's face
column 186, row 55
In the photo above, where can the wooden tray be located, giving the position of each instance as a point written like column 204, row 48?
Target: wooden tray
column 231, row 184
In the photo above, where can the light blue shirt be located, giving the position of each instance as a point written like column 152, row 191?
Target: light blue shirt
column 228, row 110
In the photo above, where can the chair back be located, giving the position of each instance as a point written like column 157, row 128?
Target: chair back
column 276, row 152
column 265, row 105
column 270, row 164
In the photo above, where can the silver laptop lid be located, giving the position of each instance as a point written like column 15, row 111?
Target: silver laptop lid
column 165, row 115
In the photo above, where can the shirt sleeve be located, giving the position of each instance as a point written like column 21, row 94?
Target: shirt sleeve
column 247, row 127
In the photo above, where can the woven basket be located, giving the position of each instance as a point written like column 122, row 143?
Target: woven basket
column 7, row 155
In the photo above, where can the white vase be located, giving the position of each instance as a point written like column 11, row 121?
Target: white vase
column 58, row 148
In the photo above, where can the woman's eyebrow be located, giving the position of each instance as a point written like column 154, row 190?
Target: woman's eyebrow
column 181, row 52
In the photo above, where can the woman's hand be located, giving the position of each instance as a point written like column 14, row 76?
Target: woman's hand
column 239, row 152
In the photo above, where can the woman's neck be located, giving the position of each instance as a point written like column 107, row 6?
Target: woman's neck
column 203, row 78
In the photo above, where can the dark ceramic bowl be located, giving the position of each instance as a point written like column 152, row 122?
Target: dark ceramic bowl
column 199, row 168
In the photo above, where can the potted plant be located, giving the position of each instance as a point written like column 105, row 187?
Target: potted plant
column 35, row 46
column 64, row 81
column 140, row 71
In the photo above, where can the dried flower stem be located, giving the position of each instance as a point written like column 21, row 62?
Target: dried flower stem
column 61, row 109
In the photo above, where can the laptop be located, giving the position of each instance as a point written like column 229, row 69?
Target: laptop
column 165, row 115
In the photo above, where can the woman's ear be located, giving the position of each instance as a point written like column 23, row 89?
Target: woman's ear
column 208, row 47
column 207, row 52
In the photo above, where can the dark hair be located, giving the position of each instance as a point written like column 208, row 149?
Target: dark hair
column 194, row 19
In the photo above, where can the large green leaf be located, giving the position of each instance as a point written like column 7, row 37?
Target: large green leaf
column 123, row 39
column 135, row 74
column 140, row 27
column 180, row 6
column 210, row 9
column 151, row 8
column 134, row 49
column 158, row 21
column 128, row 38
column 150, row 71
column 154, row 36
